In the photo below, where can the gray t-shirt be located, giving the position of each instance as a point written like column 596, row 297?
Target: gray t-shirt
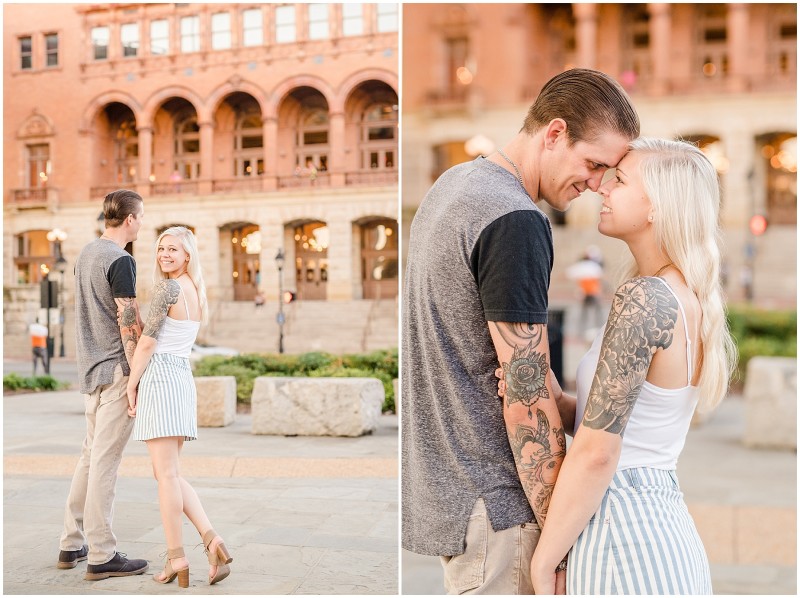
column 479, row 250
column 104, row 271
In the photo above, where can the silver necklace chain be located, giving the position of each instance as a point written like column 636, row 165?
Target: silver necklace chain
column 510, row 161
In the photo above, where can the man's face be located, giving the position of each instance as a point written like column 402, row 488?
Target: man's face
column 135, row 223
column 568, row 170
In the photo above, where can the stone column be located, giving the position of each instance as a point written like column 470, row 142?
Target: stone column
column 273, row 238
column 336, row 145
column 270, row 140
column 340, row 270
column 206, row 157
column 738, row 46
column 660, row 32
column 585, row 34
column 145, row 159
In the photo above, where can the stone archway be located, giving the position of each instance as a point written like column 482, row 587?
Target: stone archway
column 240, row 254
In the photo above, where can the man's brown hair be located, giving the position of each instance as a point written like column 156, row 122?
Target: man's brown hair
column 590, row 102
column 119, row 204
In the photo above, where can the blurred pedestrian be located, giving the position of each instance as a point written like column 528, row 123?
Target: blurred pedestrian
column 588, row 273
column 107, row 328
column 259, row 299
column 38, row 333
column 163, row 399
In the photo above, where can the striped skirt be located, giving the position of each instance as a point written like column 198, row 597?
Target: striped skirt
column 167, row 403
column 641, row 540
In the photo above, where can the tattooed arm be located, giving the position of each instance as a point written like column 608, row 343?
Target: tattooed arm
column 129, row 321
column 642, row 321
column 531, row 415
column 165, row 295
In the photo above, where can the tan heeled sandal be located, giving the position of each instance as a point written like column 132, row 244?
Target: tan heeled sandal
column 170, row 573
column 220, row 557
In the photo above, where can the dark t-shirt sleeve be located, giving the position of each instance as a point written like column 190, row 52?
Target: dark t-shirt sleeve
column 511, row 263
column 122, row 277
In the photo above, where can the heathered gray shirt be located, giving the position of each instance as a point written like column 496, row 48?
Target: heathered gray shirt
column 479, row 250
column 104, row 271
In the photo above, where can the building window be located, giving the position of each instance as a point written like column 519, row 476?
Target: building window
column 26, row 53
column 252, row 27
column 220, row 31
column 129, row 34
column 458, row 75
column 387, row 18
column 312, row 142
column 782, row 41
column 379, row 259
column 318, row 21
column 100, row 39
column 51, row 49
column 379, row 137
column 636, row 41
column 780, row 153
column 187, row 148
column 190, row 34
column 32, row 255
column 159, row 37
column 127, row 151
column 352, row 19
column 38, row 165
column 248, row 146
column 712, row 36
column 285, row 31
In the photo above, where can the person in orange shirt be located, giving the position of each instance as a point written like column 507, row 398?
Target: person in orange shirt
column 588, row 273
column 39, row 346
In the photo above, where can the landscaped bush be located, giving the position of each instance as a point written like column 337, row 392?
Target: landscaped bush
column 246, row 368
column 762, row 332
column 14, row 381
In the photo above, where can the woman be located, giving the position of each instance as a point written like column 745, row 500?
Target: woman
column 162, row 397
column 616, row 507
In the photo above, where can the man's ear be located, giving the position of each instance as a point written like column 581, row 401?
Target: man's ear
column 556, row 130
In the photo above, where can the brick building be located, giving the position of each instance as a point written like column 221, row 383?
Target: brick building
column 263, row 127
column 723, row 75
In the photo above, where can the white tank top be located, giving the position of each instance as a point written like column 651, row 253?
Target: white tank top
column 659, row 422
column 178, row 336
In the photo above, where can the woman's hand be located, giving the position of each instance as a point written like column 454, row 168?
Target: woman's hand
column 133, row 395
column 547, row 581
column 501, row 384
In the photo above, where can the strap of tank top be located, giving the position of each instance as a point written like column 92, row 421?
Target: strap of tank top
column 185, row 304
column 686, row 331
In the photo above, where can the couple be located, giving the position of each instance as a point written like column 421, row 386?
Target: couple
column 136, row 378
column 488, row 485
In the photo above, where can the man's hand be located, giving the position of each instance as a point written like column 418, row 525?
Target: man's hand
column 548, row 581
column 501, row 384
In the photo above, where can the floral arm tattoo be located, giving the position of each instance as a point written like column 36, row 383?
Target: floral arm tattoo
column 129, row 327
column 165, row 295
column 642, row 320
column 538, row 444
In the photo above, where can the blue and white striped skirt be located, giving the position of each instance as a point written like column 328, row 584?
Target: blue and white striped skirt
column 642, row 540
column 167, row 403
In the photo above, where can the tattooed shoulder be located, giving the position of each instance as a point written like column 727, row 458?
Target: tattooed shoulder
column 165, row 294
column 642, row 320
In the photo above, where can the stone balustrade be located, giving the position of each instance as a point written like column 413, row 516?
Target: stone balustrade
column 771, row 403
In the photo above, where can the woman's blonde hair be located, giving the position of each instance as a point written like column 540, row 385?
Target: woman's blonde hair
column 683, row 188
column 193, row 269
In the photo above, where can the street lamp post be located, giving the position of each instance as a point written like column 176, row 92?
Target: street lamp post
column 279, row 260
column 57, row 237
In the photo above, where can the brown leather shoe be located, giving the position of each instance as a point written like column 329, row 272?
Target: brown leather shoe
column 68, row 559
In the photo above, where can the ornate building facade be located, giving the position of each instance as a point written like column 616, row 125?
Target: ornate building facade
column 262, row 127
column 721, row 75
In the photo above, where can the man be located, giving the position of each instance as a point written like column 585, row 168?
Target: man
column 39, row 346
column 107, row 328
column 478, row 472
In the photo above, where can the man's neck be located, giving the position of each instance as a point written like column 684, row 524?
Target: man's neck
column 115, row 235
column 520, row 151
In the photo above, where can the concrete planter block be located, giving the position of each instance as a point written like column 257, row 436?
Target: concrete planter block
column 316, row 406
column 771, row 403
column 216, row 401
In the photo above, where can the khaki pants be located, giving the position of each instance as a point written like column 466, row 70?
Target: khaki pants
column 90, row 505
column 492, row 562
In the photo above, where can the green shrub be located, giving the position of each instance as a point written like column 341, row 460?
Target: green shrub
column 14, row 381
column 771, row 333
column 246, row 368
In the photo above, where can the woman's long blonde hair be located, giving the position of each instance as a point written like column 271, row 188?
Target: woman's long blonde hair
column 683, row 188
column 193, row 269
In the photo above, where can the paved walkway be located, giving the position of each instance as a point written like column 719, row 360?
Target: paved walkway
column 300, row 515
column 742, row 500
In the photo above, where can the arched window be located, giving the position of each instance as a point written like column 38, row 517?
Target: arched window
column 33, row 255
column 126, row 151
column 379, row 137
column 312, row 141
column 187, row 147
column 248, row 146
